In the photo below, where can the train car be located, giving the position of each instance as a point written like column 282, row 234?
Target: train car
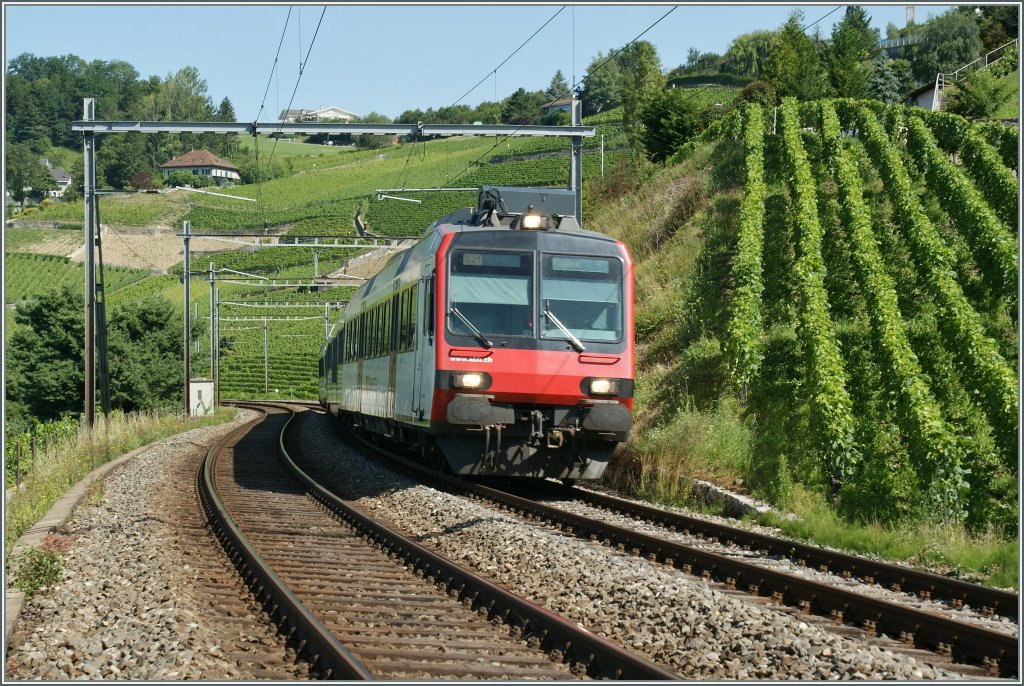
column 501, row 343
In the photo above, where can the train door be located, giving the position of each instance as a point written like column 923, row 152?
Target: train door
column 423, row 379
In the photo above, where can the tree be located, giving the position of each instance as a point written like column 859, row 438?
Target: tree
column 670, row 119
column 747, row 54
column 848, row 57
column 641, row 82
column 226, row 111
column 891, row 81
column 951, row 40
column 25, row 176
column 793, row 66
column 998, row 24
column 600, row 90
column 981, row 94
column 523, row 107
column 558, row 88
column 181, row 178
column 142, row 181
column 46, row 371
column 145, row 355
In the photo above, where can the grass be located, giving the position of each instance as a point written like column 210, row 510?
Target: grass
column 23, row 275
column 44, row 241
column 57, row 471
column 1011, row 110
column 989, row 557
column 680, row 228
column 290, row 149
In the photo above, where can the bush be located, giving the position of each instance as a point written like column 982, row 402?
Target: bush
column 980, row 95
column 761, row 92
column 180, row 178
column 38, row 568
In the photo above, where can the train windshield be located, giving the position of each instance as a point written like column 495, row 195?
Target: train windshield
column 493, row 293
column 585, row 295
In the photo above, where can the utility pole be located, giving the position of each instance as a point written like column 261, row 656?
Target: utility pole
column 316, row 265
column 89, row 183
column 213, row 341
column 327, row 321
column 602, row 155
column 576, row 166
column 188, row 321
column 266, row 358
column 216, row 345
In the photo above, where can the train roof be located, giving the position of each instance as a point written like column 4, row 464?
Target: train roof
column 498, row 208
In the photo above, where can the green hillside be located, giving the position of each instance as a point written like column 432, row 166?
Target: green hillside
column 806, row 344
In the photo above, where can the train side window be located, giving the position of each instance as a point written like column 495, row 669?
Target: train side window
column 413, row 292
column 335, row 350
column 429, row 309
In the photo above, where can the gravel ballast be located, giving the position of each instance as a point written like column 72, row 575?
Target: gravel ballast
column 672, row 618
column 131, row 604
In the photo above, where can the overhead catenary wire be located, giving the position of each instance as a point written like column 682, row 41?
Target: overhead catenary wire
column 567, row 92
column 298, row 80
column 511, row 55
column 266, row 91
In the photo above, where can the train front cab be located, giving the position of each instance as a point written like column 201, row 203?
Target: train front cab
column 535, row 354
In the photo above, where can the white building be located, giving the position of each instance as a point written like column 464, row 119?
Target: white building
column 203, row 163
column 322, row 114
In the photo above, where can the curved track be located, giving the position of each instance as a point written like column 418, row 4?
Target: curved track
column 965, row 642
column 371, row 604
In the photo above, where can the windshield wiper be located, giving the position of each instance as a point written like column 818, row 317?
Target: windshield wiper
column 472, row 329
column 568, row 334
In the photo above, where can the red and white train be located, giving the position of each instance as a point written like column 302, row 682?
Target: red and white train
column 501, row 343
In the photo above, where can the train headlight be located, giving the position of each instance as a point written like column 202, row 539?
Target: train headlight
column 603, row 387
column 473, row 380
column 534, row 221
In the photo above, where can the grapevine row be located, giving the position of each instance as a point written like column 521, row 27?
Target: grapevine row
column 989, row 374
column 993, row 178
column 829, row 395
column 994, row 249
column 936, row 454
column 1004, row 139
column 743, row 332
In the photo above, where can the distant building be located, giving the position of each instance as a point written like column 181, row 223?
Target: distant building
column 322, row 114
column 62, row 178
column 203, row 163
column 560, row 105
column 925, row 97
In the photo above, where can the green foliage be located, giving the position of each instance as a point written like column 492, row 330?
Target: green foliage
column 848, row 56
column 760, row 92
column 22, row 275
column 990, row 375
column 641, row 82
column 994, row 247
column 44, row 355
column 523, row 107
column 694, row 80
column 24, row 177
column 37, row 569
column 145, row 354
column 891, row 81
column 937, row 457
column 828, row 386
column 671, row 118
column 558, row 88
column 601, row 85
column 745, row 328
column 748, row 53
column 981, row 95
column 1004, row 139
column 793, row 65
column 998, row 25
column 951, row 40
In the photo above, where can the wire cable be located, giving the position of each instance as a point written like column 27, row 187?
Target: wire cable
column 273, row 68
column 302, row 70
column 570, row 90
column 495, row 70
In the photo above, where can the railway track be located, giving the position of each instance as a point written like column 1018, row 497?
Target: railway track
column 368, row 603
column 969, row 644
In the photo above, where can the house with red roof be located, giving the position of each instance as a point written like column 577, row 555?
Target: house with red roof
column 203, row 163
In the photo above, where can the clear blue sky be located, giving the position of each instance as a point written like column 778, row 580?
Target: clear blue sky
column 386, row 58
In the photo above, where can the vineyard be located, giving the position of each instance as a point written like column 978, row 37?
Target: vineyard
column 897, row 273
column 26, row 275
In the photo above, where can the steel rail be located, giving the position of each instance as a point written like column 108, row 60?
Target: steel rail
column 330, row 656
column 996, row 651
column 602, row 656
column 925, row 584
